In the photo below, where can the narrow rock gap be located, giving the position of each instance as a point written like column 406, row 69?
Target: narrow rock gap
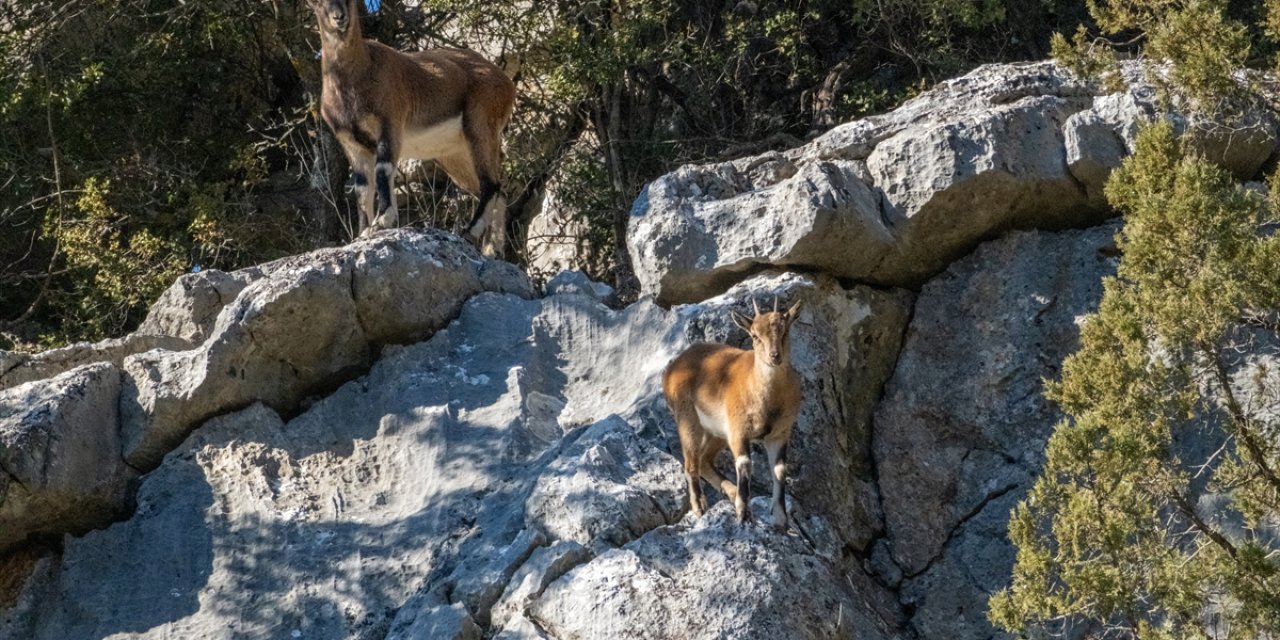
column 880, row 398
column 10, row 478
column 17, row 362
column 960, row 524
column 537, row 624
column 882, row 534
column 364, row 330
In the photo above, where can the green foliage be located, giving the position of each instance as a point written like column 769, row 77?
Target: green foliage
column 127, row 267
column 1115, row 531
column 1081, row 55
column 1206, row 42
column 584, row 191
column 123, row 132
column 194, row 119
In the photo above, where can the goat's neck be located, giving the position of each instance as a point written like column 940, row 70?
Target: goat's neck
column 347, row 56
column 768, row 377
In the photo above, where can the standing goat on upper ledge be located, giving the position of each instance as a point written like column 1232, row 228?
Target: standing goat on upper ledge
column 448, row 105
column 721, row 395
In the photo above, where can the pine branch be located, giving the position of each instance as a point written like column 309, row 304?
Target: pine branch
column 1239, row 418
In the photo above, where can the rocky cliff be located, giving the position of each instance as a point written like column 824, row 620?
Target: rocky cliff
column 399, row 439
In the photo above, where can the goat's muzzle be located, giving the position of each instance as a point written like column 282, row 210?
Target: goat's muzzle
column 339, row 18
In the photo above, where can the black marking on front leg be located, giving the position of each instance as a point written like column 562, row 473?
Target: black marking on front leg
column 361, row 181
column 366, row 141
column 744, row 491
column 385, row 165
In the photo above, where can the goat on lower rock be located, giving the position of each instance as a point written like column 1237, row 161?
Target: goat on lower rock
column 721, row 395
column 448, row 105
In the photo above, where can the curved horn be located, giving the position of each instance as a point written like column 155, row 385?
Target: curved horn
column 755, row 305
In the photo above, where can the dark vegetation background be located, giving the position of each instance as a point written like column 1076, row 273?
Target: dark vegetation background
column 141, row 139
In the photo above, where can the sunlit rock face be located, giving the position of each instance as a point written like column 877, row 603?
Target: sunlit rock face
column 893, row 199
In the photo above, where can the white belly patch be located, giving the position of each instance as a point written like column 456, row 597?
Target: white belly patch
column 440, row 139
column 714, row 423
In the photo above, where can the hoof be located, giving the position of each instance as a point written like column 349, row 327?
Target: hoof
column 699, row 507
column 388, row 220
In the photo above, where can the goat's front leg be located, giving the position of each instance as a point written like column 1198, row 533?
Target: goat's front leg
column 362, row 163
column 778, row 461
column 385, row 215
column 741, row 449
column 360, row 173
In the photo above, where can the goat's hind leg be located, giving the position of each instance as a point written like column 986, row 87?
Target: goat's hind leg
column 690, row 446
column 488, row 226
column 462, row 168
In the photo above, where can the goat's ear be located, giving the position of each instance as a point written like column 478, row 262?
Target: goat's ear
column 793, row 312
column 741, row 321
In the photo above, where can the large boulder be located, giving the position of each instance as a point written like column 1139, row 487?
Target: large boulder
column 60, row 465
column 449, row 487
column 311, row 323
column 180, row 319
column 893, row 199
column 71, row 445
column 713, row 580
column 190, row 306
column 960, row 433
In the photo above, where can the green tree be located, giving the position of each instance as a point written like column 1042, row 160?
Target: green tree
column 129, row 153
column 1206, row 43
column 1130, row 526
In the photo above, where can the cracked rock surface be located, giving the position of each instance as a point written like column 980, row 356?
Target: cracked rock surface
column 458, row 481
column 961, row 431
column 892, row 199
column 71, row 444
column 714, row 579
column 60, row 465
